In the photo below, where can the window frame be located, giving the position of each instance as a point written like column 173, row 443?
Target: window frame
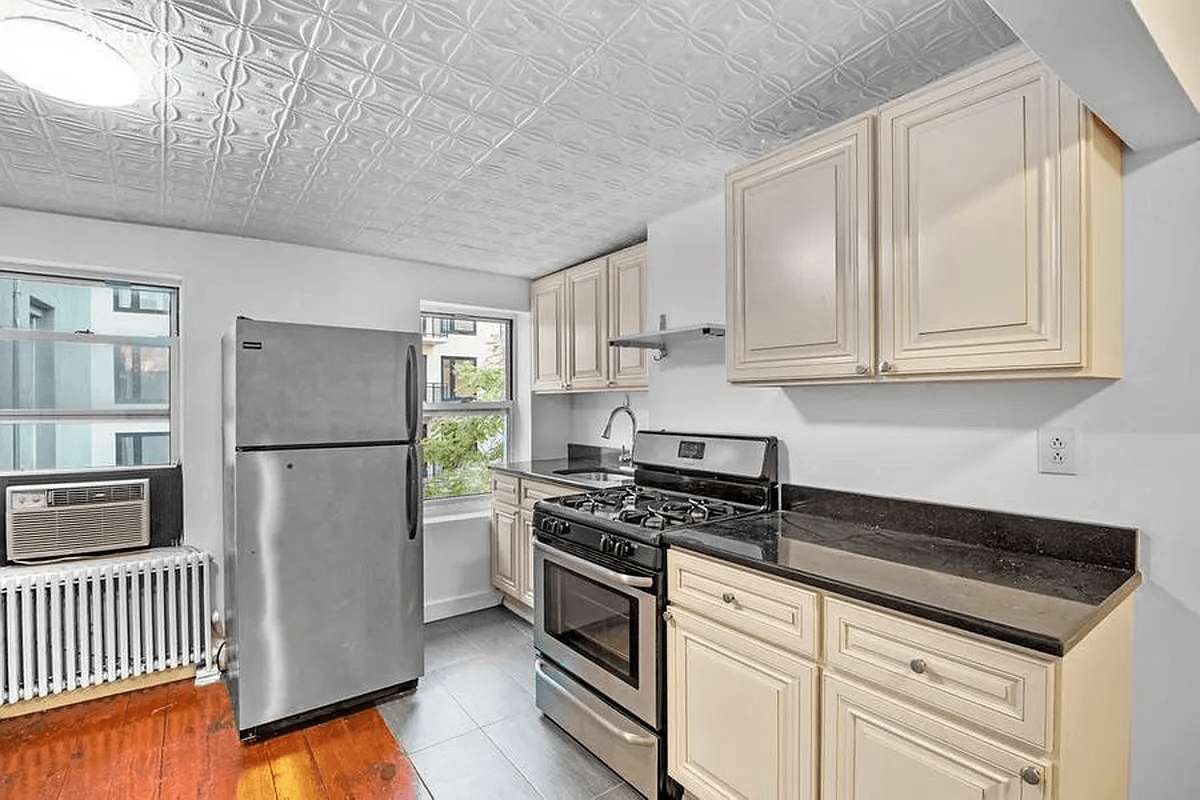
column 135, row 298
column 171, row 411
column 468, row 406
column 138, row 439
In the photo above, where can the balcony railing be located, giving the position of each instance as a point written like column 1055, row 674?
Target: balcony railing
column 441, row 327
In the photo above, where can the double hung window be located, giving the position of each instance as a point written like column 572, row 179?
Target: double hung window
column 88, row 369
column 468, row 401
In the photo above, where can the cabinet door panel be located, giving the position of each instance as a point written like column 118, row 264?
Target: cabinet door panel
column 800, row 261
column 970, row 182
column 506, row 564
column 628, row 366
column 741, row 714
column 549, row 325
column 525, row 549
column 877, row 748
column 587, row 333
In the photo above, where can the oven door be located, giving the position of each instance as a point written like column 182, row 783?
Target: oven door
column 600, row 625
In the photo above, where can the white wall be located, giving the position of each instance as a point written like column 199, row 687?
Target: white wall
column 975, row 444
column 224, row 276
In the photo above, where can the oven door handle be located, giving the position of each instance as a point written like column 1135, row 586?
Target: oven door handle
column 585, row 567
column 631, row 738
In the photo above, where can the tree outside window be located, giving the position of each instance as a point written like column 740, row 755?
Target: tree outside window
column 467, row 423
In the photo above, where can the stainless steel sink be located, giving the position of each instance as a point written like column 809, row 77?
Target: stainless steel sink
column 599, row 477
column 597, row 474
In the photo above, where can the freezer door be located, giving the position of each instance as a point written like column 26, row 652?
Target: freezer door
column 330, row 585
column 314, row 384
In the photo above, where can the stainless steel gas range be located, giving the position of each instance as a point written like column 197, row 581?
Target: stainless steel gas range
column 599, row 567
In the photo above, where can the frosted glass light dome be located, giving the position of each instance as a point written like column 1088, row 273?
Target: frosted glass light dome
column 65, row 62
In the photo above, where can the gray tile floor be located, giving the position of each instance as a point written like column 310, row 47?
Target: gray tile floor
column 472, row 729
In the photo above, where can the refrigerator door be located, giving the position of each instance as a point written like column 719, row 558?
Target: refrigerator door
column 315, row 384
column 329, row 574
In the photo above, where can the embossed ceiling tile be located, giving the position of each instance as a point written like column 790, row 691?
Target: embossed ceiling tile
column 206, row 26
column 523, row 27
column 436, row 26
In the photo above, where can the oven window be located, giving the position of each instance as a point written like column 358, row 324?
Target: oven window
column 593, row 620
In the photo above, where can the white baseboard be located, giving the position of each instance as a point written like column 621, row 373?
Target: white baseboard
column 463, row 604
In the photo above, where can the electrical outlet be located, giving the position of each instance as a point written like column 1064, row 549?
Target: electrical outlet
column 1056, row 451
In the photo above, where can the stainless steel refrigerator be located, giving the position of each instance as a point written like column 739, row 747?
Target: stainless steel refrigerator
column 324, row 587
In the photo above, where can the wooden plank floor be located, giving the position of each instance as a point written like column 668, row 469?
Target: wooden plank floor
column 179, row 741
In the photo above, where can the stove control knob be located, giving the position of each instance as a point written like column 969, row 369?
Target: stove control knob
column 555, row 527
column 624, row 549
column 606, row 543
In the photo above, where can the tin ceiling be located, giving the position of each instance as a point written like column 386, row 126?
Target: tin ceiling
column 512, row 136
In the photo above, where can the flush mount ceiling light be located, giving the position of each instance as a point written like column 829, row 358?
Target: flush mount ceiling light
column 65, row 62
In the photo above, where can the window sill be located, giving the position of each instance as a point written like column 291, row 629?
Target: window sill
column 445, row 509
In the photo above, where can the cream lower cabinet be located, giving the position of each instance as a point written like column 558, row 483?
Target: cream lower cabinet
column 905, row 709
column 878, row 748
column 513, row 498
column 506, row 550
column 525, row 549
column 740, row 714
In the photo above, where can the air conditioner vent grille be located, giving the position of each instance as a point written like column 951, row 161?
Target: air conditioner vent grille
column 79, row 495
column 79, row 519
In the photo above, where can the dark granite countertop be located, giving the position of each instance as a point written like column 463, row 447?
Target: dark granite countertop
column 1021, row 596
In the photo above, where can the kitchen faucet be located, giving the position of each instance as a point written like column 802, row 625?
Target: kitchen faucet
column 626, row 454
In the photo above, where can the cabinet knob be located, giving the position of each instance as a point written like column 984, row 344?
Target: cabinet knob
column 861, row 369
column 917, row 665
column 728, row 597
column 668, row 616
column 1031, row 775
column 885, row 366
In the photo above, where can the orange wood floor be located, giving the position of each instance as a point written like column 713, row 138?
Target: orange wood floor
column 179, row 741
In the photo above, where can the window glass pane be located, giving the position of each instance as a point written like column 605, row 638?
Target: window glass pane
column 80, row 445
column 82, row 376
column 30, row 304
column 458, row 450
column 468, row 357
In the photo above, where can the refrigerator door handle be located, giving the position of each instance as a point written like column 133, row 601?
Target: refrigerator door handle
column 412, row 404
column 412, row 507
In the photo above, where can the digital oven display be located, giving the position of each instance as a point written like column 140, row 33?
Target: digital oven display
column 692, row 450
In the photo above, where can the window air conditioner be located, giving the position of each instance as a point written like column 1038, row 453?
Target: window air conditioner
column 71, row 519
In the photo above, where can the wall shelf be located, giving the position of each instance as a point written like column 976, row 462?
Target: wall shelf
column 659, row 340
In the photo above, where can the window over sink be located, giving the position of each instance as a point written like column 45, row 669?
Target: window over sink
column 88, row 371
column 468, row 400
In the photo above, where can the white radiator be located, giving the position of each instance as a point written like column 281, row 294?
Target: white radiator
column 68, row 626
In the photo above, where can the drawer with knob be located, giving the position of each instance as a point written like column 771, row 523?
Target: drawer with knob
column 998, row 688
column 776, row 611
column 505, row 488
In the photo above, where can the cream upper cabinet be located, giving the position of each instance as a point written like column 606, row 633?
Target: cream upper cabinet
column 997, row 252
column 740, row 714
column 800, row 261
column 587, row 325
column 576, row 311
column 627, row 367
column 547, row 300
column 999, row 228
column 877, row 748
